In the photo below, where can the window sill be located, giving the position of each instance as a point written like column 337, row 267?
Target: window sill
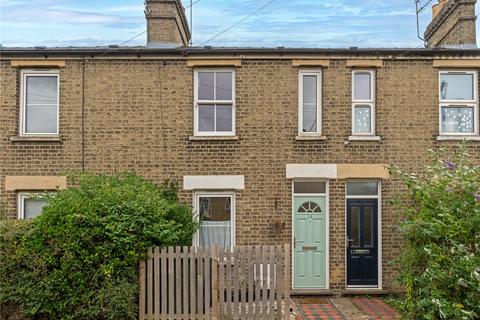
column 310, row 138
column 36, row 139
column 458, row 138
column 213, row 138
column 364, row 138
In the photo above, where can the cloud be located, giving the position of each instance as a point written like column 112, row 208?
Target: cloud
column 297, row 23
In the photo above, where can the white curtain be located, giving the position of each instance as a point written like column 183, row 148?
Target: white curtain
column 215, row 232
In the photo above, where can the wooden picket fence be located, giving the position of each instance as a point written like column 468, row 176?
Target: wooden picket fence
column 246, row 282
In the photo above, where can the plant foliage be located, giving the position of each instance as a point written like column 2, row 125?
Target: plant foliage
column 79, row 258
column 440, row 266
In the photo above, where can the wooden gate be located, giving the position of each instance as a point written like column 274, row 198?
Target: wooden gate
column 246, row 282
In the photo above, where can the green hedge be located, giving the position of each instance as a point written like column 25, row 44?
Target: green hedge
column 440, row 266
column 79, row 258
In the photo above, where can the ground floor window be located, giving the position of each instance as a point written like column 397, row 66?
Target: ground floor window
column 216, row 214
column 30, row 205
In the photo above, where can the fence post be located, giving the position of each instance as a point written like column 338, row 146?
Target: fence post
column 141, row 297
column 215, row 308
column 287, row 281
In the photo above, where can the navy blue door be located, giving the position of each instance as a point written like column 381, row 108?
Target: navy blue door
column 362, row 250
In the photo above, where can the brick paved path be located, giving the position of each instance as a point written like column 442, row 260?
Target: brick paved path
column 345, row 309
column 377, row 309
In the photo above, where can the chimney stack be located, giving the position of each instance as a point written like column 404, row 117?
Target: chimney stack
column 167, row 25
column 453, row 25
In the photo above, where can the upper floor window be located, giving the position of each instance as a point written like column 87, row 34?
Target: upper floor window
column 39, row 102
column 363, row 102
column 30, row 205
column 214, row 102
column 310, row 99
column 458, row 103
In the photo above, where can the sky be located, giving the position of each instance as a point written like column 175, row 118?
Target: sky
column 288, row 23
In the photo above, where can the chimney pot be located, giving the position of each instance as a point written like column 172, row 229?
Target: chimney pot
column 435, row 10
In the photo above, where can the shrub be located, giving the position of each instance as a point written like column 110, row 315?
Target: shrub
column 79, row 258
column 441, row 262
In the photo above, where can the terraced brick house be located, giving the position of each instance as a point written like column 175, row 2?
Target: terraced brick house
column 269, row 145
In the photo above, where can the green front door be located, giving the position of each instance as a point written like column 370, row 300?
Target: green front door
column 309, row 256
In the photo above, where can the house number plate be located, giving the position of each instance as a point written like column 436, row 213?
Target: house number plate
column 309, row 248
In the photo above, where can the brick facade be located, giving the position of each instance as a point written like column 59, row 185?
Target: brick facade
column 138, row 117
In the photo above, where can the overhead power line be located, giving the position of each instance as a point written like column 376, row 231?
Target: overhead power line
column 194, row 3
column 239, row 21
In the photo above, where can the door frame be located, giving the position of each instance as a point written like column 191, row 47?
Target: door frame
column 378, row 197
column 327, row 228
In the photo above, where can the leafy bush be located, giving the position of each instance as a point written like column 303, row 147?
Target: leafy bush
column 79, row 258
column 441, row 262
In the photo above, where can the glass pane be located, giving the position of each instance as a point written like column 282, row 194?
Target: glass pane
column 355, row 188
column 224, row 118
column 362, row 88
column 309, row 115
column 224, row 86
column 215, row 217
column 33, row 207
column 355, row 227
column 310, row 89
column 205, row 86
column 457, row 120
column 41, row 90
column 363, row 119
column 41, row 119
column 456, row 86
column 206, row 118
column 368, row 227
column 309, row 187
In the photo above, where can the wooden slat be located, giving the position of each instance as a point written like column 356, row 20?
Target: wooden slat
column 250, row 280
column 163, row 279
column 185, row 276
column 193, row 272
column 287, row 283
column 235, row 283
column 258, row 303
column 243, row 283
column 264, row 284
column 156, row 278
column 221, row 281
column 178, row 281
column 171, row 292
column 271, row 279
column 150, row 284
column 141, row 296
column 214, row 256
column 279, row 281
column 207, row 283
column 228, row 280
column 200, row 274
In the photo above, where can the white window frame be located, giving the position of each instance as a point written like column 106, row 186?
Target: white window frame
column 364, row 102
column 213, row 102
column 23, row 99
column 22, row 196
column 318, row 74
column 459, row 103
column 214, row 194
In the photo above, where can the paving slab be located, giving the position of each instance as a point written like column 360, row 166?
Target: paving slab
column 344, row 309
